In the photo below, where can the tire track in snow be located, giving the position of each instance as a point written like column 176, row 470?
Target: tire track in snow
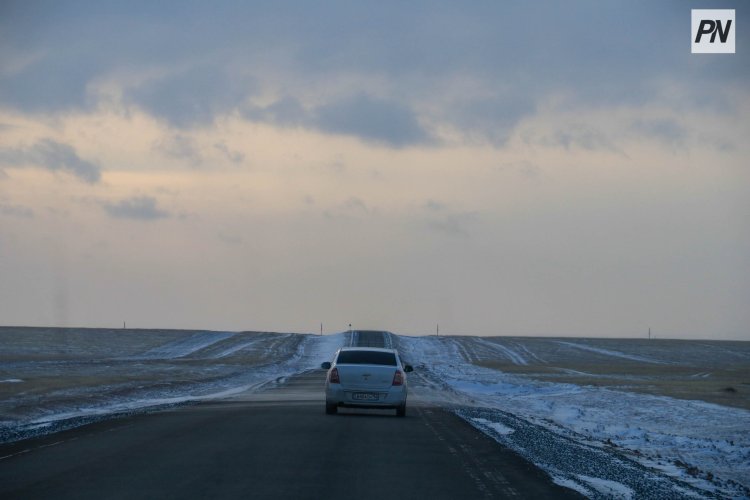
column 185, row 346
column 607, row 352
column 494, row 347
column 530, row 353
column 463, row 351
column 235, row 348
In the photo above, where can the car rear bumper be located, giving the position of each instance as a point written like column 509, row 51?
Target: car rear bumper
column 345, row 397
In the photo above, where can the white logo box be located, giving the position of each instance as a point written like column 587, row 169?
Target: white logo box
column 712, row 31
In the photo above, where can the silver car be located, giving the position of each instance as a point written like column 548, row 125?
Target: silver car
column 366, row 377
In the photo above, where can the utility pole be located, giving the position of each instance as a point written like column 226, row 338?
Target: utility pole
column 123, row 325
column 321, row 329
column 649, row 333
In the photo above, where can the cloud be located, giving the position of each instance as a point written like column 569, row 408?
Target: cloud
column 138, row 208
column 355, row 204
column 350, row 209
column 286, row 112
column 667, row 131
column 585, row 137
column 233, row 156
column 193, row 97
column 212, row 58
column 372, row 119
column 574, row 136
column 524, row 168
column 329, row 68
column 440, row 218
column 493, row 118
column 54, row 156
column 181, row 147
column 53, row 83
column 16, row 211
column 453, row 224
column 435, row 206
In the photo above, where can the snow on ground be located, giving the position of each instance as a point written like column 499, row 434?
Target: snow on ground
column 611, row 489
column 602, row 442
column 57, row 391
column 700, row 444
column 495, row 426
column 608, row 352
column 184, row 347
column 228, row 351
column 514, row 356
column 318, row 349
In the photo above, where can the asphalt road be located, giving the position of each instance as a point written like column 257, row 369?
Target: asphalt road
column 276, row 444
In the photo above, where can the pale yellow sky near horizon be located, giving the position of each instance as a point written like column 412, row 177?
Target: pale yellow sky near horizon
column 312, row 228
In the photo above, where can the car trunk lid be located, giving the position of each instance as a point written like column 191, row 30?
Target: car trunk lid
column 366, row 377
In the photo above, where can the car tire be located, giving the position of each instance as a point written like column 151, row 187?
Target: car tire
column 401, row 410
column 331, row 408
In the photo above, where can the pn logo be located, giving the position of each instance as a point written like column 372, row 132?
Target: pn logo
column 712, row 31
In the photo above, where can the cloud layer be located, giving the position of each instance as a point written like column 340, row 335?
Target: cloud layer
column 478, row 70
column 138, row 208
column 52, row 155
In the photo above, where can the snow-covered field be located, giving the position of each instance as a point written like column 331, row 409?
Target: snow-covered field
column 609, row 418
column 51, row 379
column 570, row 430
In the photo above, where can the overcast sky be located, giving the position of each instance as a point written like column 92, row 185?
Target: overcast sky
column 499, row 168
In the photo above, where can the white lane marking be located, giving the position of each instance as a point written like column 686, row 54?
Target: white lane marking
column 28, row 450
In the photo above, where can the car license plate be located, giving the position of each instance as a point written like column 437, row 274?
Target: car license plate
column 365, row 396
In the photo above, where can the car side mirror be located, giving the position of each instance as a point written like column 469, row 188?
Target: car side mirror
column 408, row 368
column 326, row 365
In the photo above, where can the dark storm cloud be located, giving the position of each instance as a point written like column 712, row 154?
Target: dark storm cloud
column 52, row 155
column 138, row 208
column 593, row 53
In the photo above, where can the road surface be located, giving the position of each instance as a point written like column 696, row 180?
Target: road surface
column 275, row 444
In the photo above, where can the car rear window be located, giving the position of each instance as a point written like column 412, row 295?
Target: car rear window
column 366, row 358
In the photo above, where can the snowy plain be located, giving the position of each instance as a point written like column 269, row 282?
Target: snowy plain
column 52, row 379
column 703, row 445
column 598, row 415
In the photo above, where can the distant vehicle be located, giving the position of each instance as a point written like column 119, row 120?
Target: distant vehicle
column 366, row 377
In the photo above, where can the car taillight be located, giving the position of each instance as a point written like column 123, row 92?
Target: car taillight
column 333, row 377
column 398, row 378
